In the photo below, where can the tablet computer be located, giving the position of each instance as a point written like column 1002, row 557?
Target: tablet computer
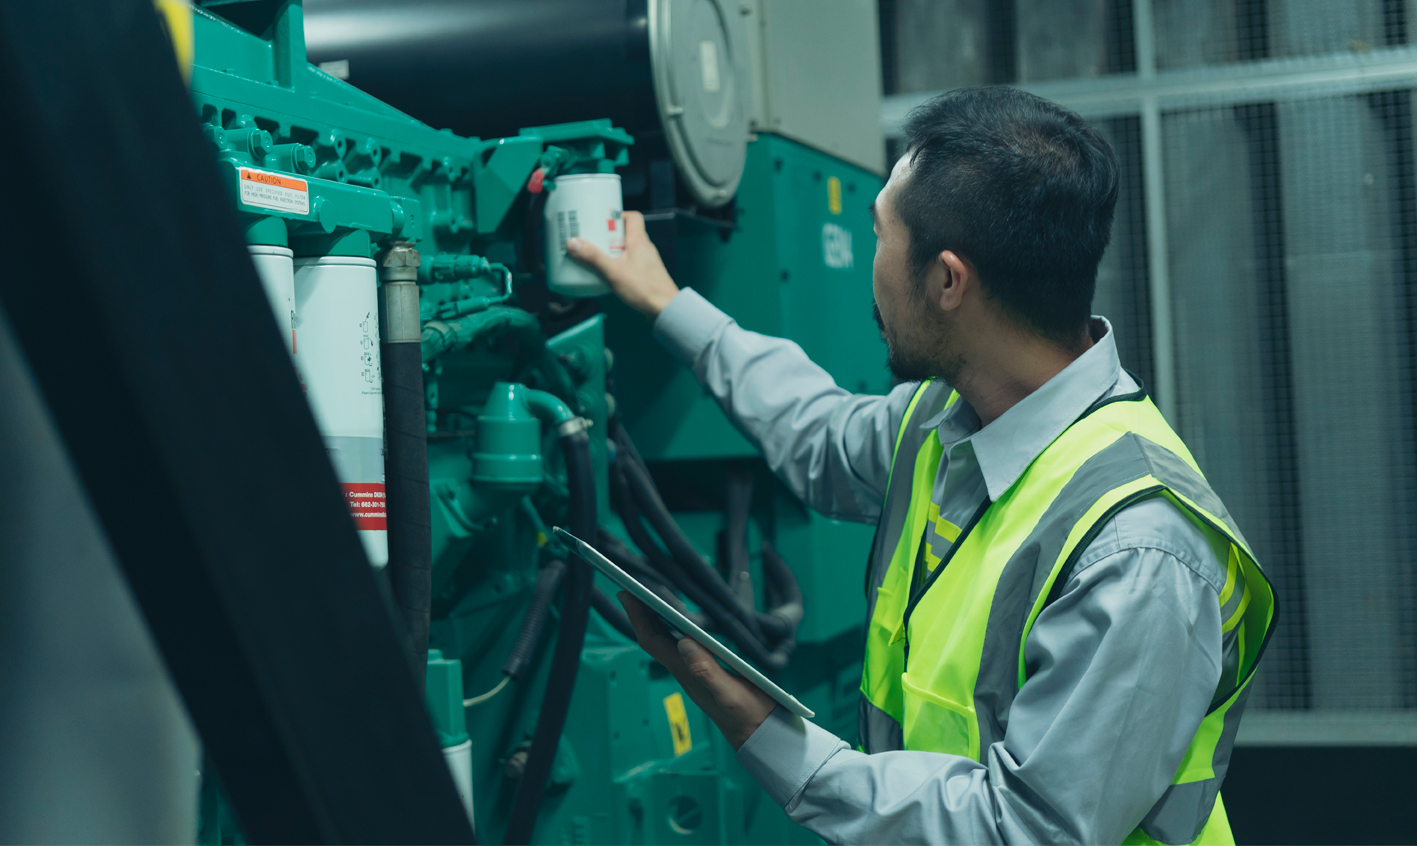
column 680, row 625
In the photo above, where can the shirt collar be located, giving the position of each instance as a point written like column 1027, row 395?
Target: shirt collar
column 1006, row 447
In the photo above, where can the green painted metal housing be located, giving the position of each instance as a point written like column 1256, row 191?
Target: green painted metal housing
column 372, row 176
column 372, row 173
column 772, row 276
column 799, row 267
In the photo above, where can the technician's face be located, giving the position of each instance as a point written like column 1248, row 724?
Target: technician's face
column 900, row 306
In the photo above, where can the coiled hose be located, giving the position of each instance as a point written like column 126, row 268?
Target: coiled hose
column 529, row 636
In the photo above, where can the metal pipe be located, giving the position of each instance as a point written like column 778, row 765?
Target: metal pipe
column 1279, row 80
column 1163, row 352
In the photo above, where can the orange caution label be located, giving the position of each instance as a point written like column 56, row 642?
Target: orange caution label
column 276, row 191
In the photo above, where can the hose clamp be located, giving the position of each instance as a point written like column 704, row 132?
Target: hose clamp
column 572, row 426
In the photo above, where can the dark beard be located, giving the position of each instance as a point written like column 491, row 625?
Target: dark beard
column 904, row 366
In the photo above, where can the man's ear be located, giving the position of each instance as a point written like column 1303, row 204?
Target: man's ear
column 956, row 276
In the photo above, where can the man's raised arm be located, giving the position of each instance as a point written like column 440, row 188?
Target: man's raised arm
column 832, row 448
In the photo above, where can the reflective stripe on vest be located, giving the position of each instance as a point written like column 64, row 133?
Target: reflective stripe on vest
column 965, row 634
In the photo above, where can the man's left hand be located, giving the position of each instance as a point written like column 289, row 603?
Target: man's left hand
column 734, row 704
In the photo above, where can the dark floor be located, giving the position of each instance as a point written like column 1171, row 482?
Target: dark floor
column 1331, row 795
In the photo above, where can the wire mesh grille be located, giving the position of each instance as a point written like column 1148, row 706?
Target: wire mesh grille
column 1122, row 294
column 1291, row 260
column 1212, row 32
column 1292, row 252
column 1291, row 249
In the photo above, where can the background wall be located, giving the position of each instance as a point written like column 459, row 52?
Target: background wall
column 1261, row 281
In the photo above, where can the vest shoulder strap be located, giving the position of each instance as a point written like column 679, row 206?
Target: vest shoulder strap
column 932, row 397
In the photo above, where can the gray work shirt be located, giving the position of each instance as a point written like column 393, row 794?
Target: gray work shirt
column 1128, row 657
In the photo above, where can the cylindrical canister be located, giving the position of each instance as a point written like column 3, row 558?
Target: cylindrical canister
column 337, row 316
column 586, row 206
column 276, row 268
column 459, row 760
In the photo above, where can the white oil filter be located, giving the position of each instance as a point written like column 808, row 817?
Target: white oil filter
column 588, row 206
column 337, row 316
column 276, row 267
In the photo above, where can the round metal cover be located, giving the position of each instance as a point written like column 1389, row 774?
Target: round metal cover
column 700, row 67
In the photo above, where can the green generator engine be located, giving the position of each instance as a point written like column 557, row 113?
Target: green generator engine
column 346, row 202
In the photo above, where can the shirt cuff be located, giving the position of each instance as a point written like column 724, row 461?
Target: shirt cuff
column 688, row 325
column 785, row 752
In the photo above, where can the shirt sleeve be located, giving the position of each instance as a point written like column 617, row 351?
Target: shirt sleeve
column 831, row 447
column 1125, row 664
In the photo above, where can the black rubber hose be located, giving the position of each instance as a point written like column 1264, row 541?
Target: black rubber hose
column 765, row 628
column 406, row 497
column 636, row 566
column 611, row 612
column 662, row 562
column 726, row 621
column 787, row 593
column 655, row 512
column 633, row 564
column 524, row 649
column 566, row 660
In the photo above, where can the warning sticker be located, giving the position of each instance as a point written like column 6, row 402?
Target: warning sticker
column 678, row 723
column 268, row 190
column 616, row 224
column 366, row 506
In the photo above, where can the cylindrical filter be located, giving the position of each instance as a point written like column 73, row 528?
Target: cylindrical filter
column 337, row 315
column 459, row 760
column 276, row 268
column 586, row 206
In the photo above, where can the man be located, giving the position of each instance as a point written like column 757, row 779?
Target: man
column 1063, row 617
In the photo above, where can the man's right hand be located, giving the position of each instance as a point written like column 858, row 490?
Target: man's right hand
column 638, row 275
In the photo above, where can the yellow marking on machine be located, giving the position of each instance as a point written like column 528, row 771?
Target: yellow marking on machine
column 678, row 723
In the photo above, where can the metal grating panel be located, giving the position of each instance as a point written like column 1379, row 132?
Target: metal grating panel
column 1262, row 279
column 1213, row 32
column 1122, row 293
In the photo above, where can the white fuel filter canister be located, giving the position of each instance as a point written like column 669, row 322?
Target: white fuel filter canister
column 276, row 267
column 337, row 316
column 588, row 206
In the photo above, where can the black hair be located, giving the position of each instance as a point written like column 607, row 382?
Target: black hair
column 1023, row 189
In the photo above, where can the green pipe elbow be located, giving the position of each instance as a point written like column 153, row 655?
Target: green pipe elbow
column 508, row 455
column 552, row 410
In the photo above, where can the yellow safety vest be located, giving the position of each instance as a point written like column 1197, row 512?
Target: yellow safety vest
column 943, row 664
